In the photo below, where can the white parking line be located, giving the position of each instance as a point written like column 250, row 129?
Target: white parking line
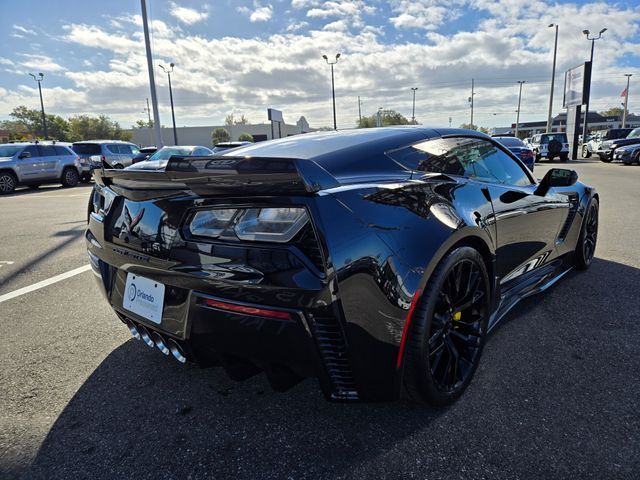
column 44, row 283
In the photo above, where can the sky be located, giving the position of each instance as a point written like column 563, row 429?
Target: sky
column 244, row 56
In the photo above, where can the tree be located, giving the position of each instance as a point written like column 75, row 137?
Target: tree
column 29, row 120
column 84, row 127
column 245, row 137
column 614, row 112
column 220, row 135
column 232, row 120
column 242, row 120
column 143, row 124
column 389, row 117
column 468, row 126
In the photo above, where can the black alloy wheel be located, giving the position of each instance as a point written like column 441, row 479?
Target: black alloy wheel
column 586, row 247
column 70, row 177
column 8, row 182
column 449, row 327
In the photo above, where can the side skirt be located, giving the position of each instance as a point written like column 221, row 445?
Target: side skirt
column 537, row 282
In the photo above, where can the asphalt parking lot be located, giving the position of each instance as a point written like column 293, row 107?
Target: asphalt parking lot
column 556, row 395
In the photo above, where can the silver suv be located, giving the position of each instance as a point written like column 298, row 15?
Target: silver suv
column 114, row 153
column 32, row 165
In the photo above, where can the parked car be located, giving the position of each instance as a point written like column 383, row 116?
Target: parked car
column 607, row 148
column 32, row 164
column 145, row 153
column 219, row 147
column 550, row 146
column 593, row 144
column 628, row 154
column 114, row 153
column 519, row 149
column 376, row 260
column 160, row 158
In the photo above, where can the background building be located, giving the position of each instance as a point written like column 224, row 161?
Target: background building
column 596, row 122
column 202, row 135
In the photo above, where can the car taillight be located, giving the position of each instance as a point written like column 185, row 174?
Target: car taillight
column 254, row 224
column 526, row 153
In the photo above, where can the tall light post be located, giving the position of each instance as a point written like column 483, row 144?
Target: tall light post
column 585, row 123
column 333, row 89
column 38, row 79
column 152, row 79
column 553, row 77
column 521, row 82
column 626, row 101
column 413, row 111
column 173, row 116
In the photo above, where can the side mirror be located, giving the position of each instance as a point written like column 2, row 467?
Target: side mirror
column 556, row 177
column 24, row 155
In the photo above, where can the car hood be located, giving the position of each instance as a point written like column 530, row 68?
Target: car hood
column 623, row 141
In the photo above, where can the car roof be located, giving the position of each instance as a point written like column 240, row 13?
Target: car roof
column 351, row 152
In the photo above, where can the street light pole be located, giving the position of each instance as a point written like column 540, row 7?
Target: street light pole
column 152, row 80
column 38, row 79
column 333, row 89
column 413, row 111
column 471, row 101
column 553, row 77
column 521, row 82
column 585, row 123
column 173, row 116
column 626, row 101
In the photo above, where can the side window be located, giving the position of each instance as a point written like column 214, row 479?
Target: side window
column 124, row 149
column 47, row 151
column 473, row 158
column 62, row 151
column 112, row 148
column 33, row 151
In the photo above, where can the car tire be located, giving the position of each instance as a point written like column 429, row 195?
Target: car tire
column 564, row 157
column 586, row 153
column 8, row 182
column 636, row 158
column 586, row 246
column 70, row 177
column 441, row 328
column 604, row 158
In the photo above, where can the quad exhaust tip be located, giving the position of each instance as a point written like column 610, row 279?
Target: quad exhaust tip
column 146, row 336
column 132, row 328
column 176, row 350
column 160, row 343
column 154, row 339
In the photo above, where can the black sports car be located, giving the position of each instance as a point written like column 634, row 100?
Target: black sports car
column 376, row 260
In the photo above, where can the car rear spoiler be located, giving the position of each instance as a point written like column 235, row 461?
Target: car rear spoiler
column 221, row 175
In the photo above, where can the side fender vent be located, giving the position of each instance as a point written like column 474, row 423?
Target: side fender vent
column 573, row 209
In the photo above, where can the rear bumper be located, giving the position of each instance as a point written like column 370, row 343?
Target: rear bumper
column 310, row 343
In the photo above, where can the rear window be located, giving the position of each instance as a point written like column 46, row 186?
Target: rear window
column 560, row 137
column 510, row 142
column 87, row 148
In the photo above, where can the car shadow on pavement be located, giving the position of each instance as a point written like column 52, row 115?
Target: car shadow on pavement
column 552, row 364
column 138, row 409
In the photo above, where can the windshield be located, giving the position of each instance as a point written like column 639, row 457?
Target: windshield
column 166, row 152
column 560, row 137
column 510, row 142
column 8, row 150
column 635, row 133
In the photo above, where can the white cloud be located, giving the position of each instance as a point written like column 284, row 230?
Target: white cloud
column 22, row 29
column 188, row 16
column 41, row 63
column 259, row 13
column 424, row 14
column 6, row 61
